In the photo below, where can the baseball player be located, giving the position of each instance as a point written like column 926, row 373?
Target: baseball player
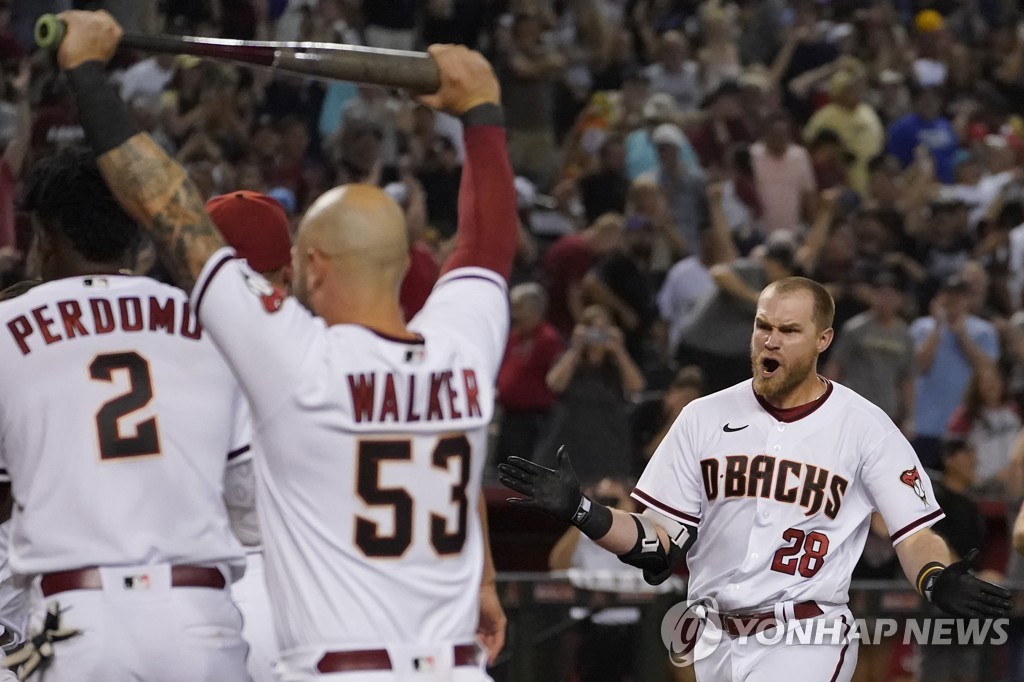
column 370, row 432
column 255, row 225
column 14, row 594
column 767, row 488
column 117, row 416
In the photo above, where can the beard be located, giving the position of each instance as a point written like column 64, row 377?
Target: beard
column 783, row 380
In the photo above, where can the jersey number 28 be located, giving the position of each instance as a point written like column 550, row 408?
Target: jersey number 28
column 372, row 454
column 814, row 546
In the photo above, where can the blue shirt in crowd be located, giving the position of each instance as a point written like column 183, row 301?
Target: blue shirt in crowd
column 906, row 133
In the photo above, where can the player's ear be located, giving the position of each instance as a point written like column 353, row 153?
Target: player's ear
column 317, row 268
column 825, row 340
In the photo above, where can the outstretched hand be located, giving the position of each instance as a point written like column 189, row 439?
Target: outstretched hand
column 555, row 492
column 959, row 593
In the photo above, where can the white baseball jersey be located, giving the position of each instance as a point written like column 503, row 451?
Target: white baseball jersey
column 783, row 498
column 368, row 451
column 116, row 416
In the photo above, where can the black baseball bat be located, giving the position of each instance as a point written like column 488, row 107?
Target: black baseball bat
column 413, row 71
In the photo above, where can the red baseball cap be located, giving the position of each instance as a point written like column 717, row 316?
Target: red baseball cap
column 255, row 226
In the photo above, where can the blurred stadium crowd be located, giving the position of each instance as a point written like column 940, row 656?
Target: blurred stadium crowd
column 673, row 157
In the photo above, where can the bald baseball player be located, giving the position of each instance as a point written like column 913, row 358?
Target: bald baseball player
column 767, row 489
column 370, row 433
column 256, row 226
column 117, row 419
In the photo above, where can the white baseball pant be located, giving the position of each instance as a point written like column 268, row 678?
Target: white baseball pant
column 137, row 627
column 250, row 594
column 780, row 654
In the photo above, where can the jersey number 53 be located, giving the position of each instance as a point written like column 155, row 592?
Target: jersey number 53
column 372, row 454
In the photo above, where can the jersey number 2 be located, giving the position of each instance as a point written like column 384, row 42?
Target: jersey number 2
column 372, row 453
column 113, row 445
column 814, row 546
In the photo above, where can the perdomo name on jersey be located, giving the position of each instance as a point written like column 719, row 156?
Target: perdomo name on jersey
column 383, row 397
column 65, row 320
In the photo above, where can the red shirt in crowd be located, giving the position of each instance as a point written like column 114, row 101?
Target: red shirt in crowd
column 522, row 385
column 566, row 263
column 419, row 280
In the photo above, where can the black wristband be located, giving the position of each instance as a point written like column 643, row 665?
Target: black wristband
column 484, row 115
column 592, row 518
column 104, row 117
column 926, row 578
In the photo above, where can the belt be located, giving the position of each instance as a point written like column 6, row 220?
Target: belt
column 89, row 579
column 737, row 625
column 378, row 659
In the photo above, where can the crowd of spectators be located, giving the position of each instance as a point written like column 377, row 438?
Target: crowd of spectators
column 673, row 157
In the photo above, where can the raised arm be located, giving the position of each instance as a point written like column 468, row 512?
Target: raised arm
column 488, row 229
column 151, row 186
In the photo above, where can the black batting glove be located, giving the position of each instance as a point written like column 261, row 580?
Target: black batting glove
column 555, row 492
column 957, row 592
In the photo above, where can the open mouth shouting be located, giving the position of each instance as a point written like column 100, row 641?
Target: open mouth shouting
column 768, row 367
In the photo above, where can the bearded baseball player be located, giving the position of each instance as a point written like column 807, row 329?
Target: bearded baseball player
column 117, row 416
column 767, row 489
column 370, row 432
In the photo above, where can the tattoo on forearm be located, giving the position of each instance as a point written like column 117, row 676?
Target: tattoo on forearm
column 156, row 191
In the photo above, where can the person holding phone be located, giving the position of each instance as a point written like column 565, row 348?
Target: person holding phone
column 595, row 379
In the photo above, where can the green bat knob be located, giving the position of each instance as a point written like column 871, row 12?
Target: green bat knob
column 50, row 31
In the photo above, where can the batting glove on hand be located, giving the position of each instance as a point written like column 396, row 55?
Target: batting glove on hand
column 959, row 593
column 556, row 492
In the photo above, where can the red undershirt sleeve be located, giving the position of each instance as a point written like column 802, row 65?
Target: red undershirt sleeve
column 488, row 222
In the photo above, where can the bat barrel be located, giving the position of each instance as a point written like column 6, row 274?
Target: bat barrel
column 413, row 71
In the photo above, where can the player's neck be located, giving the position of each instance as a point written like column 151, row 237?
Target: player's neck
column 381, row 316
column 83, row 268
column 809, row 390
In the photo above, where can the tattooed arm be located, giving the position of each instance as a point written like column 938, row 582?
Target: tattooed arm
column 155, row 190
column 150, row 186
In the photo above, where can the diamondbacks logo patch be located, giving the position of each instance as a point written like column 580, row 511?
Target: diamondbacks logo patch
column 270, row 296
column 912, row 479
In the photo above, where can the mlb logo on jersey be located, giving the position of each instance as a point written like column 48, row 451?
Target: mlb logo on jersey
column 136, row 582
column 423, row 664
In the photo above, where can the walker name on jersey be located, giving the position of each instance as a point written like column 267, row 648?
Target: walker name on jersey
column 71, row 319
column 783, row 480
column 384, row 397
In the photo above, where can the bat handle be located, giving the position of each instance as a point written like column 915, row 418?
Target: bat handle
column 50, row 31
